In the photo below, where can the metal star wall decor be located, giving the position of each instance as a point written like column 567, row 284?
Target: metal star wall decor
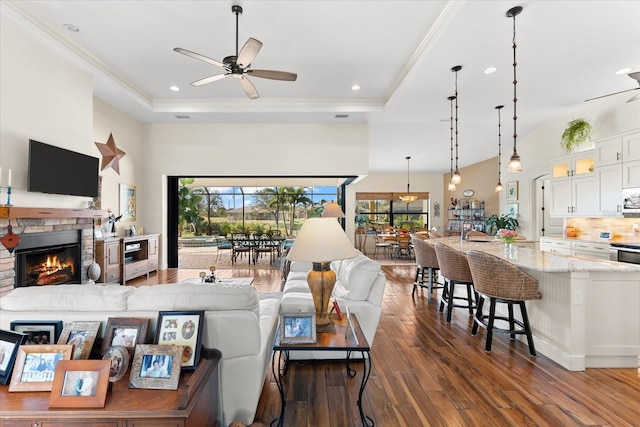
column 111, row 154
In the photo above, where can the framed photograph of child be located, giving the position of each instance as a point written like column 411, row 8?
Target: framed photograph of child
column 183, row 328
column 35, row 366
column 297, row 328
column 125, row 332
column 156, row 367
column 9, row 344
column 80, row 384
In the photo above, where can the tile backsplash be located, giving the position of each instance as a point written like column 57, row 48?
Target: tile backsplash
column 619, row 227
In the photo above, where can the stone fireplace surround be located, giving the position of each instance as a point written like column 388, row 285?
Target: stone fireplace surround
column 44, row 220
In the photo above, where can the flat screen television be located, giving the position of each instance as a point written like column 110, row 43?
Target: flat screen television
column 56, row 170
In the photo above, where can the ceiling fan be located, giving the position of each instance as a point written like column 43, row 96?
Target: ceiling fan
column 636, row 77
column 239, row 64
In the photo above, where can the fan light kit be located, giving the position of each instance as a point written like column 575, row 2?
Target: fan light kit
column 239, row 64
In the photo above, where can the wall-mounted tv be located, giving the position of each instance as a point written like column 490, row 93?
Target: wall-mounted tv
column 56, row 170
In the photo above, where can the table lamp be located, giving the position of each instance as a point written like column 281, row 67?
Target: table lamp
column 320, row 241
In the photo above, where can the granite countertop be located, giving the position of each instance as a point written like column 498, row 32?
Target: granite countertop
column 623, row 240
column 528, row 255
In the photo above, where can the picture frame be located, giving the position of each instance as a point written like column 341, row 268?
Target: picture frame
column 98, row 234
column 297, row 328
column 80, row 384
column 133, row 230
column 512, row 191
column 156, row 366
column 118, row 358
column 183, row 328
column 128, row 202
column 9, row 343
column 82, row 336
column 125, row 332
column 48, row 330
column 605, row 235
column 29, row 375
column 512, row 208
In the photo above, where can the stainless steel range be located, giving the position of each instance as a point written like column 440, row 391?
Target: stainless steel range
column 625, row 253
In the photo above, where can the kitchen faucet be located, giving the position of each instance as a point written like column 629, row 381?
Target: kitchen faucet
column 464, row 236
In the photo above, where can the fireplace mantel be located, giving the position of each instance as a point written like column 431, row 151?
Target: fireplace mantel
column 13, row 212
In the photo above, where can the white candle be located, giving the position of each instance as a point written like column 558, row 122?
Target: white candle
column 9, row 179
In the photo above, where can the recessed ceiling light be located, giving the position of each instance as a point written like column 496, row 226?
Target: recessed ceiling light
column 182, row 116
column 342, row 116
column 355, row 87
column 490, row 70
column 174, row 88
column 623, row 71
column 71, row 27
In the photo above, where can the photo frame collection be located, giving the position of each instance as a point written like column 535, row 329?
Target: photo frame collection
column 31, row 364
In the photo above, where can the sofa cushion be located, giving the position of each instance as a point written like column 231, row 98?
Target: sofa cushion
column 204, row 296
column 67, row 298
column 355, row 277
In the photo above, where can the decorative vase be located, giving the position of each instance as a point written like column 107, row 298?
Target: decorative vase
column 93, row 272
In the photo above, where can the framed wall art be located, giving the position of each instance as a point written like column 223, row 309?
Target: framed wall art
column 128, row 202
column 183, row 328
column 512, row 209
column 81, row 335
column 297, row 328
column 9, row 344
column 125, row 332
column 512, row 191
column 35, row 366
column 38, row 331
column 156, row 366
column 80, row 384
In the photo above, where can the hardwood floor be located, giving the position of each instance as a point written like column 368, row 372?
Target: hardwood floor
column 430, row 373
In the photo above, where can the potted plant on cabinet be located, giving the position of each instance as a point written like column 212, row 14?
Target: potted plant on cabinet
column 578, row 131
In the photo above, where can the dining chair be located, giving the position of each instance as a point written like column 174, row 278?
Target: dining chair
column 265, row 245
column 455, row 270
column 240, row 246
column 501, row 282
column 381, row 244
column 222, row 245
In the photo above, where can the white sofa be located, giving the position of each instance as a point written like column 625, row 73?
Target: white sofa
column 237, row 323
column 360, row 285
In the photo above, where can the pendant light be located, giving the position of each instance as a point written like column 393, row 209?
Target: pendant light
column 499, row 184
column 514, row 163
column 452, row 186
column 408, row 198
column 456, row 178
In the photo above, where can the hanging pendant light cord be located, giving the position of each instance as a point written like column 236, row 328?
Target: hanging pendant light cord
column 456, row 98
column 515, row 84
column 451, row 98
column 408, row 191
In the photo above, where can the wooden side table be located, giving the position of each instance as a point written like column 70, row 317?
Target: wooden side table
column 341, row 339
column 361, row 240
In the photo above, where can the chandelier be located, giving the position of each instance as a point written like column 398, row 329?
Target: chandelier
column 515, row 164
column 499, row 184
column 456, row 179
column 408, row 198
column 452, row 186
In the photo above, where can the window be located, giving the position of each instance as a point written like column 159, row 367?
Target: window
column 383, row 209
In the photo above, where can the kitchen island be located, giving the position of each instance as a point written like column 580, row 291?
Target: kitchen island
column 589, row 313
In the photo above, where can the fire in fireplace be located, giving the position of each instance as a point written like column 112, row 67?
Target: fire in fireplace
column 48, row 259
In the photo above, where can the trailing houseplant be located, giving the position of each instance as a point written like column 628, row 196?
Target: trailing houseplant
column 502, row 222
column 578, row 131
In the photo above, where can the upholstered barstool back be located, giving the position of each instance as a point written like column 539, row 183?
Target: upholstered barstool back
column 455, row 269
column 427, row 260
column 501, row 282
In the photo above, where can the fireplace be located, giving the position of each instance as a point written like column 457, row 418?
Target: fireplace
column 48, row 258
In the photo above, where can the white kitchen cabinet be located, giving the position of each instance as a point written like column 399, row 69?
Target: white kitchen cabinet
column 590, row 249
column 631, row 174
column 609, row 183
column 574, row 165
column 631, row 147
column 574, row 197
column 559, row 246
column 608, row 152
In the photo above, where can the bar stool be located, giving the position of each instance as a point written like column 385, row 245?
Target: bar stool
column 427, row 260
column 501, row 282
column 455, row 270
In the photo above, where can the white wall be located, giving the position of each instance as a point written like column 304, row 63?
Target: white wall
column 247, row 149
column 43, row 98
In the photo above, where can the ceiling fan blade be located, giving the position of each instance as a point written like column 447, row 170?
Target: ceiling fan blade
column 248, row 52
column 611, row 94
column 249, row 88
column 198, row 57
column 634, row 98
column 209, row 79
column 273, row 75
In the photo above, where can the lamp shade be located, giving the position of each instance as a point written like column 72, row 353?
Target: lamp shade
column 321, row 240
column 332, row 210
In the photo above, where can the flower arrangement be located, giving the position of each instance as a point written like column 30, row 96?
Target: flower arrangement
column 508, row 236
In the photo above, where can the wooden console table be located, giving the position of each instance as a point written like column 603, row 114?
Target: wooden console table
column 125, row 258
column 195, row 403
